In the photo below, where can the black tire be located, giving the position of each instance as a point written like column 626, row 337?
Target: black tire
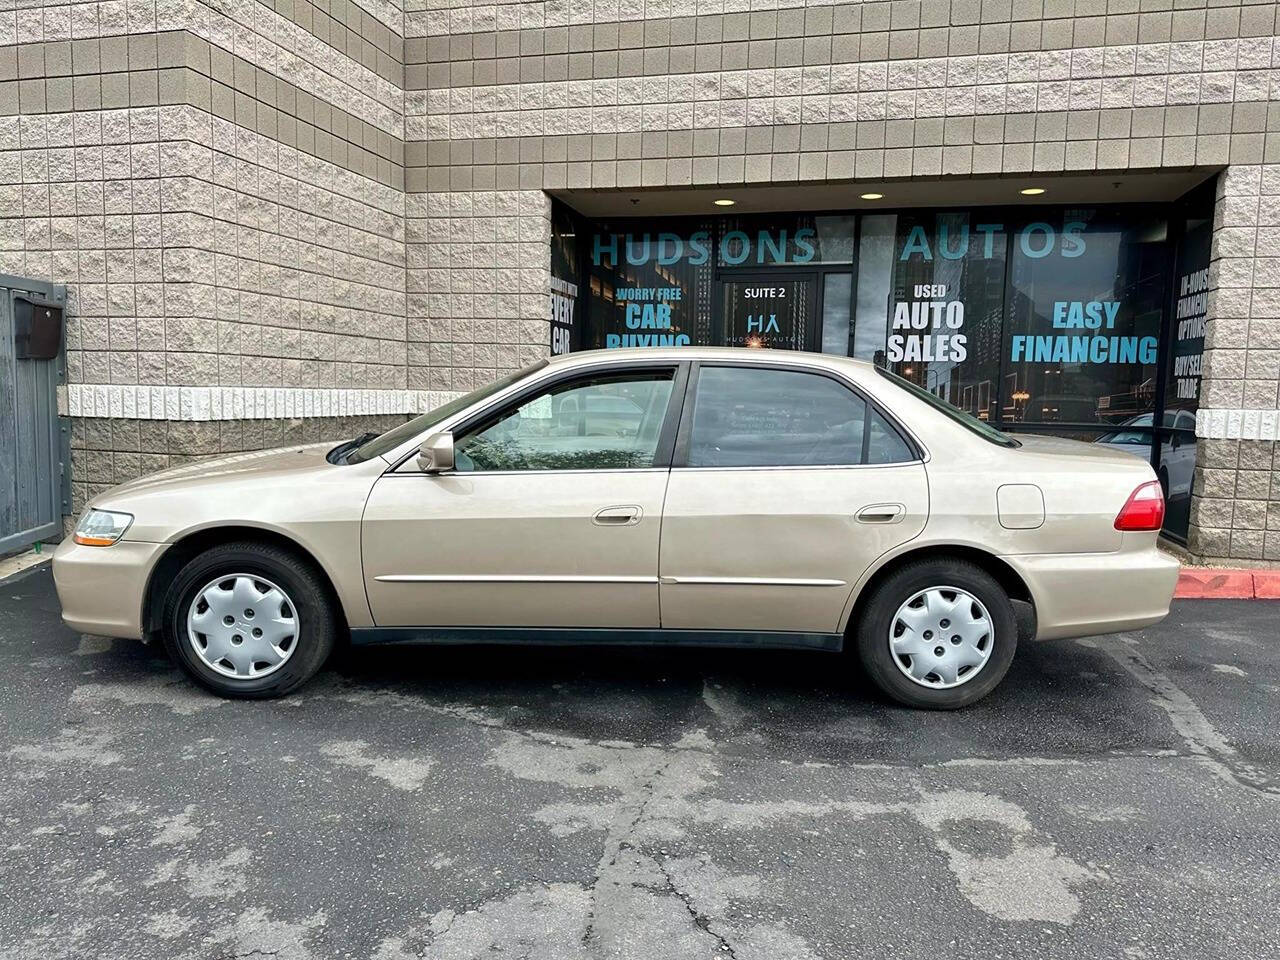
column 307, row 591
column 877, row 619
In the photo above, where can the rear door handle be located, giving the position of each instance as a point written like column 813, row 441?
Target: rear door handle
column 621, row 516
column 882, row 513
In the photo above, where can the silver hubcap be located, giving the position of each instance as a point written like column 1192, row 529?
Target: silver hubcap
column 242, row 626
column 941, row 637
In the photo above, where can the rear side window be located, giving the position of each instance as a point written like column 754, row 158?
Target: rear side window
column 761, row 417
column 885, row 444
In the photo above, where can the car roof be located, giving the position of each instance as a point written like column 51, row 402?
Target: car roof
column 751, row 354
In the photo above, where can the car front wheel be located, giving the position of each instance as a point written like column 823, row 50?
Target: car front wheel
column 937, row 634
column 249, row 620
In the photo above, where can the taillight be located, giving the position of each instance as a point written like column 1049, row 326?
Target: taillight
column 1144, row 510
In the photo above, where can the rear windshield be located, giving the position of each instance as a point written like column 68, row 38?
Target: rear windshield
column 386, row 442
column 970, row 423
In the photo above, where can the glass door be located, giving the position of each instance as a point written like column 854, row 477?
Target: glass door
column 764, row 310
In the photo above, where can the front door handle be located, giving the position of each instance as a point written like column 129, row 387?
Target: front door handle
column 882, row 513
column 620, row 516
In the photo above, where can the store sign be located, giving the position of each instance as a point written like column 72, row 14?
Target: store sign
column 647, row 315
column 1100, row 347
column 564, row 295
column 766, row 314
column 760, row 299
column 928, row 327
column 736, row 248
column 954, row 241
column 1188, row 343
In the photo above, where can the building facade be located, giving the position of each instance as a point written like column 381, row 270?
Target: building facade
column 291, row 220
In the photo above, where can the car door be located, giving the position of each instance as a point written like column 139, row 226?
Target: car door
column 550, row 517
column 786, row 485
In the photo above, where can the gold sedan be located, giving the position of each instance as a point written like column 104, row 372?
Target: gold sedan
column 687, row 495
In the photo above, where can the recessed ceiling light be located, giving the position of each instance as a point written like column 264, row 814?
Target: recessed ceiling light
column 1031, row 191
column 873, row 196
column 724, row 202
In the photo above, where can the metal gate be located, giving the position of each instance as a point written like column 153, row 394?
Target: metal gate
column 34, row 443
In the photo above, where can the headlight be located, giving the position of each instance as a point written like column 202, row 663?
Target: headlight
column 101, row 528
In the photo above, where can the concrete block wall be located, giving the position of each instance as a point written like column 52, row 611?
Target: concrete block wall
column 633, row 94
column 478, row 277
column 477, row 234
column 1235, row 510
column 221, row 188
column 111, row 451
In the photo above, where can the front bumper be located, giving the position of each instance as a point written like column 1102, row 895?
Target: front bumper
column 101, row 588
column 1085, row 594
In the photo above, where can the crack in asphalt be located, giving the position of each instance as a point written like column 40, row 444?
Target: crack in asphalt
column 700, row 920
column 646, row 789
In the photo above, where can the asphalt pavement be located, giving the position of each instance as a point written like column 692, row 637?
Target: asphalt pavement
column 1115, row 798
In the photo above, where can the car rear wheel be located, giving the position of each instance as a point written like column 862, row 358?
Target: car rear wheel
column 249, row 620
column 937, row 634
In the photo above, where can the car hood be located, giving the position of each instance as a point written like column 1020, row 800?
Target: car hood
column 265, row 463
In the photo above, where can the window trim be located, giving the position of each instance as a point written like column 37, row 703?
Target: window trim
column 680, row 459
column 492, row 413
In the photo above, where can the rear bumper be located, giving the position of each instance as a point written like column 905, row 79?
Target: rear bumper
column 1083, row 594
column 101, row 588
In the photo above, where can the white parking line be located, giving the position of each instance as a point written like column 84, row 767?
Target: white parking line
column 1195, row 729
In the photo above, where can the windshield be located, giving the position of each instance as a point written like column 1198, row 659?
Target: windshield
column 386, row 442
column 973, row 424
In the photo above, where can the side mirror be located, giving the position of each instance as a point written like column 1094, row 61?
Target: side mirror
column 436, row 454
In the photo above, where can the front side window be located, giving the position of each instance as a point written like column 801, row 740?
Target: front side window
column 605, row 422
column 761, row 417
column 418, row 426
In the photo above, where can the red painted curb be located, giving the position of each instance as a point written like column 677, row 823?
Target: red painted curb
column 1215, row 584
column 1266, row 585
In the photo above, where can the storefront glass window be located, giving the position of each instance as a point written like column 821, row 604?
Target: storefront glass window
column 732, row 281
column 1087, row 289
column 1050, row 319
column 837, row 300
column 651, row 284
column 566, row 284
column 796, row 240
column 876, row 242
column 935, row 307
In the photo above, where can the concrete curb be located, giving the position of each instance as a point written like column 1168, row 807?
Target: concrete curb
column 1207, row 583
column 12, row 566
